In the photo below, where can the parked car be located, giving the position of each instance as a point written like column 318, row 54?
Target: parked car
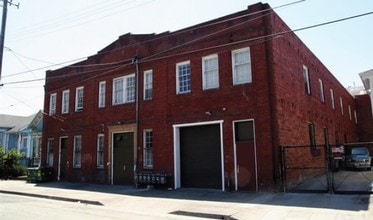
column 358, row 157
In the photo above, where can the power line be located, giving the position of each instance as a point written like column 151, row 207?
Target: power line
column 147, row 41
column 147, row 59
column 75, row 22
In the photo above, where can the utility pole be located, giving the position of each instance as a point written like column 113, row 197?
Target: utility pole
column 3, row 24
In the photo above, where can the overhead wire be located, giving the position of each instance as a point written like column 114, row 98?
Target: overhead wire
column 237, row 42
column 155, row 39
column 77, row 22
column 153, row 57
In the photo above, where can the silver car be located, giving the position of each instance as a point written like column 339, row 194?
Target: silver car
column 358, row 157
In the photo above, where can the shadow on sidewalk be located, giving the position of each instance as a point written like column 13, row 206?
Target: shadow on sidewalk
column 306, row 200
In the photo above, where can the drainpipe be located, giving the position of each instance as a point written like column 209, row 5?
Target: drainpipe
column 136, row 61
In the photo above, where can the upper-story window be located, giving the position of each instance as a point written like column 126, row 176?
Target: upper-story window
column 210, row 72
column 322, row 97
column 341, row 102
column 183, row 79
column 65, row 101
column 332, row 98
column 241, row 66
column 124, row 89
column 148, row 84
column 79, row 95
column 306, row 77
column 52, row 104
column 101, row 94
column 350, row 112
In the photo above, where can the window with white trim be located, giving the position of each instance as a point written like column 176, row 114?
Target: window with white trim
column 124, row 89
column 52, row 104
column 77, row 156
column 148, row 84
column 210, row 72
column 349, row 112
column 100, row 151
column 355, row 115
column 65, row 101
column 241, row 66
column 332, row 98
column 148, row 149
column 322, row 97
column 341, row 102
column 50, row 147
column 101, row 94
column 306, row 77
column 183, row 77
column 79, row 97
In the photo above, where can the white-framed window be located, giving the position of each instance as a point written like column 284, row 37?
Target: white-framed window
column 79, row 97
column 77, row 156
column 322, row 97
column 36, row 147
column 101, row 94
column 100, row 150
column 50, row 148
column 210, row 72
column 52, row 103
column 241, row 66
column 306, row 77
column 183, row 77
column 355, row 115
column 341, row 103
column 148, row 149
column 148, row 84
column 332, row 98
column 124, row 89
column 350, row 112
column 65, row 101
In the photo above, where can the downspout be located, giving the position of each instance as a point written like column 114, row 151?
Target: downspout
column 136, row 60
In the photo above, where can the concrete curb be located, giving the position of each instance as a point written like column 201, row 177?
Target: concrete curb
column 89, row 202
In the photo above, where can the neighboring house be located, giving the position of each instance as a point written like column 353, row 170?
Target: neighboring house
column 365, row 107
column 23, row 134
column 211, row 105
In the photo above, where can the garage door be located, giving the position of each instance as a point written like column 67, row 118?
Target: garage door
column 200, row 156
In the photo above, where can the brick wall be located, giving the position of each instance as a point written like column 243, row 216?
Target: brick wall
column 275, row 99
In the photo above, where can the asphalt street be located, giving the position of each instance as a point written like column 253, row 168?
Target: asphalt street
column 88, row 201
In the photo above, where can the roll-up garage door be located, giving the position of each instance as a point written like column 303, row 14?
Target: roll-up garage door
column 200, row 156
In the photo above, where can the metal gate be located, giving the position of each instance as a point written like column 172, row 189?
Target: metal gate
column 314, row 169
column 305, row 169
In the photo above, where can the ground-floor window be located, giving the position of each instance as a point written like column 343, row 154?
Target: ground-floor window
column 50, row 146
column 148, row 149
column 77, row 156
column 100, row 151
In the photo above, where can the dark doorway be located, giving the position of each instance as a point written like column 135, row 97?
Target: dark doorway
column 123, row 158
column 63, row 158
column 200, row 157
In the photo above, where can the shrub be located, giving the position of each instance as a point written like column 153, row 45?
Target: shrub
column 9, row 164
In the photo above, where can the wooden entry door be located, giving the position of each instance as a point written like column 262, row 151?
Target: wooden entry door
column 245, row 154
column 63, row 159
column 123, row 150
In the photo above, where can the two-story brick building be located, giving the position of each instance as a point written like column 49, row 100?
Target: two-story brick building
column 210, row 105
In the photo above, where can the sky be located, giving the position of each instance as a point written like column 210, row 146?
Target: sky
column 47, row 34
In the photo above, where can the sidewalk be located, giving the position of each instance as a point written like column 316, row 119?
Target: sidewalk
column 202, row 203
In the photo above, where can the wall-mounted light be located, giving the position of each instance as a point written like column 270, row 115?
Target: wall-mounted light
column 208, row 113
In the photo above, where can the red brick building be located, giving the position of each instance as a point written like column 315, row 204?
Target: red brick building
column 210, row 105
